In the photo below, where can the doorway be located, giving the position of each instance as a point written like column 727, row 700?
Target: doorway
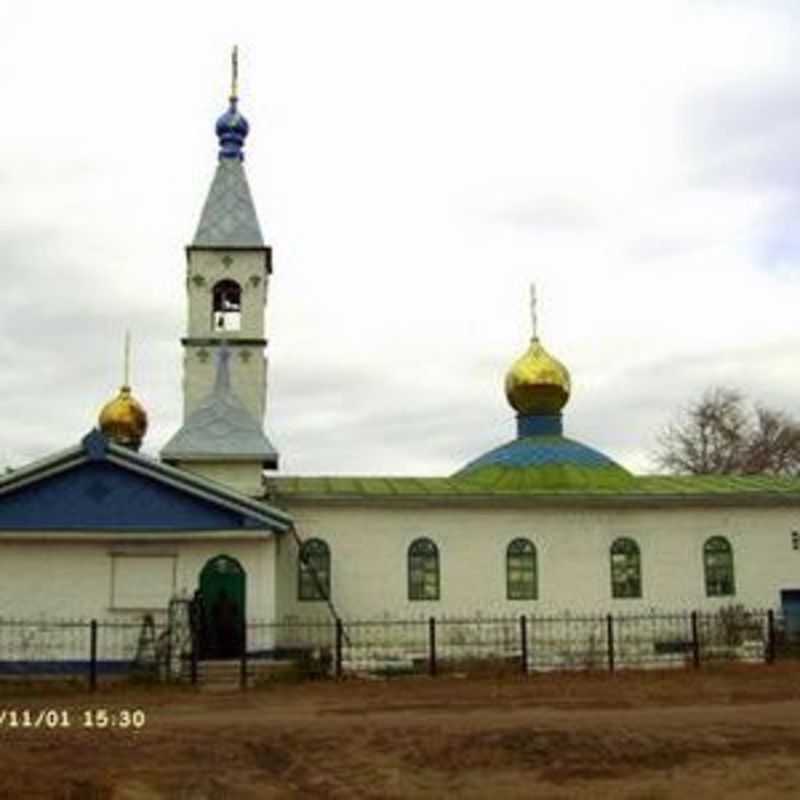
column 222, row 616
column 790, row 606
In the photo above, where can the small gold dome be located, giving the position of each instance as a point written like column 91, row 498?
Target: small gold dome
column 123, row 420
column 537, row 383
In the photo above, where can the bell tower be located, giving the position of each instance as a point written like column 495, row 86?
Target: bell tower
column 227, row 275
column 228, row 266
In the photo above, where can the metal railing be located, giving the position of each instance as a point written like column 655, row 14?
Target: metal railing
column 441, row 645
column 167, row 650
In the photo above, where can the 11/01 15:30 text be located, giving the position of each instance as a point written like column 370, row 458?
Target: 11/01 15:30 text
column 51, row 718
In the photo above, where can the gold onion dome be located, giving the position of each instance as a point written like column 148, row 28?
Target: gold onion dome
column 123, row 420
column 537, row 383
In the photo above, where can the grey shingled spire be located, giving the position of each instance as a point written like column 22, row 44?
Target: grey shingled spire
column 221, row 428
column 229, row 217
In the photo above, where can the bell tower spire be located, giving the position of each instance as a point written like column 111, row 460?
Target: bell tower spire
column 228, row 266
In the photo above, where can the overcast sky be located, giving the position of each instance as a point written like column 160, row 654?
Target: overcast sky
column 414, row 165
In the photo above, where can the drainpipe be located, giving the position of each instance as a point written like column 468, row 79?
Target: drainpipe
column 318, row 582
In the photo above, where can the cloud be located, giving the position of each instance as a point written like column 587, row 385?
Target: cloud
column 410, row 203
column 745, row 136
column 545, row 213
column 622, row 411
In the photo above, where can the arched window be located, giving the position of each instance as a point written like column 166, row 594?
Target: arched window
column 226, row 298
column 626, row 569
column 718, row 567
column 423, row 570
column 314, row 571
column 521, row 583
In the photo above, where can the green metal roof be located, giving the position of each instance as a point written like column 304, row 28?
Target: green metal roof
column 637, row 487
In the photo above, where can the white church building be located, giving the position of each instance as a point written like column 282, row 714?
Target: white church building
column 541, row 524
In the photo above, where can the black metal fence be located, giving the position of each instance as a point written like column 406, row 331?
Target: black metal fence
column 441, row 645
column 433, row 645
column 76, row 648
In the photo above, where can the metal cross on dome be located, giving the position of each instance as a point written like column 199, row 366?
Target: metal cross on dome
column 235, row 73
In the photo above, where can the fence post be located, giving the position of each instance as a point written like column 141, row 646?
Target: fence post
column 243, row 662
column 695, row 641
column 168, row 669
column 610, row 640
column 93, row 655
column 523, row 635
column 432, row 647
column 194, row 655
column 770, row 636
column 338, row 653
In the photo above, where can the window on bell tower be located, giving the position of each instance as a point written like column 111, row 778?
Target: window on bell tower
column 226, row 312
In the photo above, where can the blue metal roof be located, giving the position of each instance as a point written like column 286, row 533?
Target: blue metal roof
column 99, row 485
column 539, row 451
column 551, row 461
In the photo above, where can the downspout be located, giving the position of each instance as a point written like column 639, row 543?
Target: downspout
column 318, row 583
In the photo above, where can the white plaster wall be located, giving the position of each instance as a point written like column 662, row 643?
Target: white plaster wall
column 247, row 269
column 286, row 576
column 241, row 476
column 369, row 547
column 71, row 579
column 248, row 378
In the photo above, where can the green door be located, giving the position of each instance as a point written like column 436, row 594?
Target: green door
column 222, row 588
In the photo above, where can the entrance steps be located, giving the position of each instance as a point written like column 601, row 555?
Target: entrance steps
column 225, row 674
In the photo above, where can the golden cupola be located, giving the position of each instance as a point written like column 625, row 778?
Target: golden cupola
column 537, row 383
column 541, row 457
column 123, row 420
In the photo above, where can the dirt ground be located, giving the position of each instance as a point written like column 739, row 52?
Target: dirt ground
column 732, row 733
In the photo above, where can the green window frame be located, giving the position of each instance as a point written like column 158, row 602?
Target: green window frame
column 521, row 571
column 718, row 567
column 423, row 570
column 314, row 571
column 626, row 569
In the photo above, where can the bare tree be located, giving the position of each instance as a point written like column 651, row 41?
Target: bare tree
column 721, row 434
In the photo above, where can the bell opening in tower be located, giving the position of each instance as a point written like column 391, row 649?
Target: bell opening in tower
column 226, row 312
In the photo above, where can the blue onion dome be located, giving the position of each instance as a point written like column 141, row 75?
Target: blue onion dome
column 232, row 129
column 541, row 458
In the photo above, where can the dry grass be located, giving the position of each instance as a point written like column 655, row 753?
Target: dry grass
column 729, row 732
